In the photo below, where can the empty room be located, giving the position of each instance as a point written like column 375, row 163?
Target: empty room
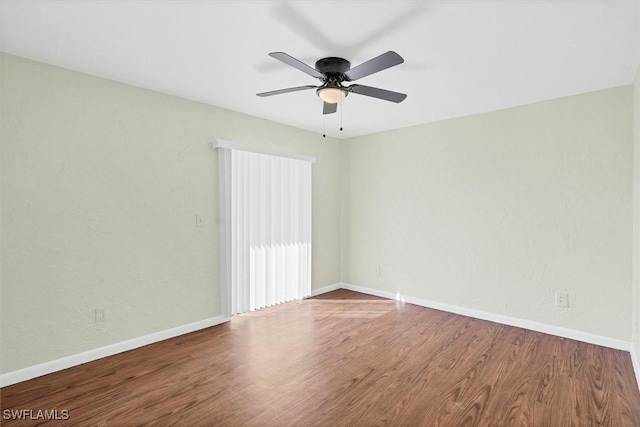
column 320, row 213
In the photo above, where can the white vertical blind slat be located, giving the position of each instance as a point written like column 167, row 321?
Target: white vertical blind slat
column 266, row 230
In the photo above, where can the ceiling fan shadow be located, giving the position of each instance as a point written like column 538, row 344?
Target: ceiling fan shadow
column 307, row 29
column 303, row 27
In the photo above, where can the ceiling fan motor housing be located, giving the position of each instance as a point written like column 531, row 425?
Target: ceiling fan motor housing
column 333, row 67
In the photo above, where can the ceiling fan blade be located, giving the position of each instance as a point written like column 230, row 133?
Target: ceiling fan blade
column 329, row 108
column 375, row 92
column 295, row 63
column 379, row 63
column 291, row 89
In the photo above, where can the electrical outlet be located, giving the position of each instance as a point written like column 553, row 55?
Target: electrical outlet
column 376, row 270
column 99, row 312
column 562, row 299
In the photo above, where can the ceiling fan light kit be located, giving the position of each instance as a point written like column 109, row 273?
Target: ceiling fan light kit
column 332, row 95
column 333, row 71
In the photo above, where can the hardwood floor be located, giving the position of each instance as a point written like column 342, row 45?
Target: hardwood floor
column 344, row 359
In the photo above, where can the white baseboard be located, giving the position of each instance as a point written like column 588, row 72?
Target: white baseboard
column 109, row 350
column 635, row 359
column 88, row 356
column 512, row 321
column 505, row 320
column 325, row 289
column 91, row 355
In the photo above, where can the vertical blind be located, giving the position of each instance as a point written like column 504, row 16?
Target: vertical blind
column 266, row 229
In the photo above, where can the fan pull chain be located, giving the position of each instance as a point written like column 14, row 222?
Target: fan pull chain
column 341, row 114
column 324, row 123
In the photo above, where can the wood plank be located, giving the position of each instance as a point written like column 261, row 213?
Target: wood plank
column 344, row 358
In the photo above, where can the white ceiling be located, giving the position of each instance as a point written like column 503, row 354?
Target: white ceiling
column 461, row 57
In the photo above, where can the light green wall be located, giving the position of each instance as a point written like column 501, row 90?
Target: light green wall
column 101, row 183
column 497, row 211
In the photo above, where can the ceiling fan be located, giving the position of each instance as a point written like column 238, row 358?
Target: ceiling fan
column 333, row 72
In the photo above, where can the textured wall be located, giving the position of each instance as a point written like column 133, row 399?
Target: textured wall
column 498, row 211
column 101, row 183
